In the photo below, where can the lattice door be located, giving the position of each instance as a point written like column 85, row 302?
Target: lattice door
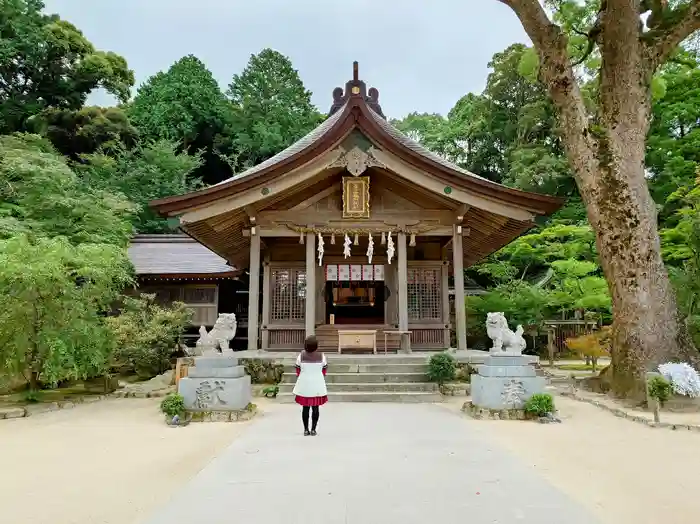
column 424, row 294
column 288, row 300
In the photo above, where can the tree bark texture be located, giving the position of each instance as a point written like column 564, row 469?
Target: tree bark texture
column 606, row 152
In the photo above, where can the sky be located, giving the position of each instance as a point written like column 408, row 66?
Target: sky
column 422, row 55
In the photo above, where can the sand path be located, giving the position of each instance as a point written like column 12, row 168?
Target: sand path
column 111, row 462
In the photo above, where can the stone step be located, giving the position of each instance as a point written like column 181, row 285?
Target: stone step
column 370, row 368
column 368, row 378
column 398, row 387
column 392, row 396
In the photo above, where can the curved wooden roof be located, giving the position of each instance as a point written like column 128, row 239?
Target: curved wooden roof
column 355, row 109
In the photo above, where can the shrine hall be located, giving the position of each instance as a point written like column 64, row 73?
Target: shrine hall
column 355, row 229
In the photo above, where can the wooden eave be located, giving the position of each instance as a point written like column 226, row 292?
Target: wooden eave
column 356, row 114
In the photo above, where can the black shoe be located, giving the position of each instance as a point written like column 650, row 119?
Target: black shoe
column 306, row 433
column 313, row 433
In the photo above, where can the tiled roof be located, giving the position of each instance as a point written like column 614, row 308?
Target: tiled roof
column 416, row 147
column 174, row 255
column 297, row 146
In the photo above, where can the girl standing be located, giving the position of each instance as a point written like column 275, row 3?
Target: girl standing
column 310, row 390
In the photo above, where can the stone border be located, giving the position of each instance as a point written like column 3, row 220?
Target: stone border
column 619, row 412
column 48, row 407
column 223, row 416
column 493, row 414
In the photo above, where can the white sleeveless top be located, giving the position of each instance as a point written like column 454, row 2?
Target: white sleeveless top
column 311, row 382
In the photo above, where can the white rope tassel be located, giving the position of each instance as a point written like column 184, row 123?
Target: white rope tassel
column 301, row 238
column 389, row 248
column 332, row 239
column 320, row 249
column 346, row 246
column 383, row 238
column 357, row 239
column 412, row 243
column 370, row 249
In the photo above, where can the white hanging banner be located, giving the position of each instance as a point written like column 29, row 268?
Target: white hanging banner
column 379, row 272
column 355, row 272
column 343, row 272
column 332, row 273
column 367, row 272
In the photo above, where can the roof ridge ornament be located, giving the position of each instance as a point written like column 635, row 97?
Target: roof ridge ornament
column 358, row 88
column 356, row 161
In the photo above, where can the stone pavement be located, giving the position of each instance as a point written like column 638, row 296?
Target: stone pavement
column 370, row 464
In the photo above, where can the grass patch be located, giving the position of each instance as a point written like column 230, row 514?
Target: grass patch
column 576, row 367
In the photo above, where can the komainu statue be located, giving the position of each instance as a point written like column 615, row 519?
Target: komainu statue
column 504, row 340
column 220, row 335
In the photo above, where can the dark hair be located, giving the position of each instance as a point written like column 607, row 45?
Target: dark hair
column 310, row 344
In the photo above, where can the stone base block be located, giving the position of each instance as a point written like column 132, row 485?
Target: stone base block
column 238, row 415
column 499, row 393
column 493, row 414
column 203, row 372
column 215, row 394
column 220, row 361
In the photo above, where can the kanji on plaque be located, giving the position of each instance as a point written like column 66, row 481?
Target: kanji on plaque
column 379, row 272
column 332, row 272
column 368, row 272
column 355, row 272
column 343, row 272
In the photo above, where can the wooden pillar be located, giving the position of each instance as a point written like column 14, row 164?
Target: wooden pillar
column 403, row 289
column 444, row 294
column 266, row 298
column 460, row 306
column 310, row 299
column 253, row 292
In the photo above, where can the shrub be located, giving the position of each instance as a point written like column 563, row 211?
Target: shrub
column 147, row 333
column 442, row 368
column 593, row 345
column 683, row 378
column 539, row 404
column 263, row 371
column 660, row 389
column 173, row 404
column 464, row 372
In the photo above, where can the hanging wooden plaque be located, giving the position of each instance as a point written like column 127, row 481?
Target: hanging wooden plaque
column 356, row 197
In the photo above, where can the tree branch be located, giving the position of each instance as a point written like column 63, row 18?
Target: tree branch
column 674, row 26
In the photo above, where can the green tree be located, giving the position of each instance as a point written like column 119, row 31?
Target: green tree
column 41, row 196
column 626, row 43
column 185, row 104
column 272, row 108
column 143, row 173
column 47, row 62
column 84, row 131
column 52, row 298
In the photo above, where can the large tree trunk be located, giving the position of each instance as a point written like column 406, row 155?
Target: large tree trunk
column 607, row 155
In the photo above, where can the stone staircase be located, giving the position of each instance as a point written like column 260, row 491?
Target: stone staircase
column 377, row 378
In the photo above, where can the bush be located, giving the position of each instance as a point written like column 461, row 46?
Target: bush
column 660, row 389
column 263, row 371
column 539, row 404
column 593, row 345
column 173, row 404
column 442, row 368
column 147, row 334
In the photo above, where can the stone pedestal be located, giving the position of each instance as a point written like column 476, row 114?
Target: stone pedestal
column 505, row 381
column 215, row 383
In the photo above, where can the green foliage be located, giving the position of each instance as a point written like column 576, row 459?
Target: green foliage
column 660, row 389
column 272, row 108
column 146, row 333
column 263, row 371
column 144, row 173
column 87, row 130
column 46, row 62
column 442, row 368
column 52, row 298
column 539, row 404
column 173, row 404
column 271, row 391
column 41, row 196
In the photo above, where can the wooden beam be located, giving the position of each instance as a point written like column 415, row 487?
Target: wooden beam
column 310, row 298
column 253, row 292
column 316, row 198
column 460, row 306
column 403, row 287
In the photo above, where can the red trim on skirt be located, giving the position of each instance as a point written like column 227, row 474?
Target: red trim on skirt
column 311, row 401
